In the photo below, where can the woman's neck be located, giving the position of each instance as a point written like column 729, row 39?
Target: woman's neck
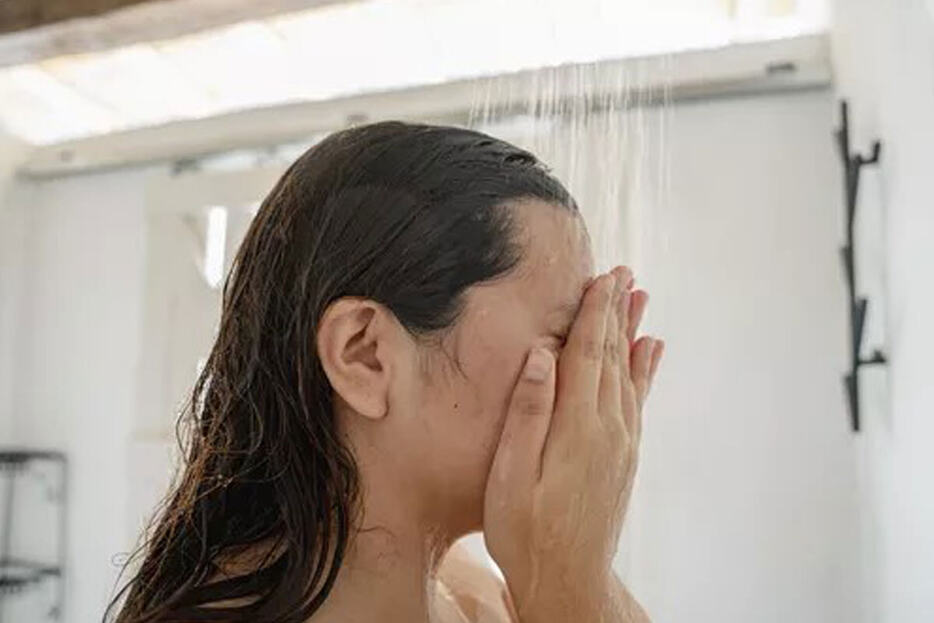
column 385, row 576
column 388, row 571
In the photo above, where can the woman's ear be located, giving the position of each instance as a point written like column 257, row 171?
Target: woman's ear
column 354, row 345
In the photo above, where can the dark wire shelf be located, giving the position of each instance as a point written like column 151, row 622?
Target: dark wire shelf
column 17, row 575
column 20, row 574
column 17, row 456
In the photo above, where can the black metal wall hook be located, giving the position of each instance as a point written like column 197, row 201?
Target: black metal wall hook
column 852, row 165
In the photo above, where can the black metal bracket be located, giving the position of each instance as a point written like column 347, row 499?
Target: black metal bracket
column 853, row 164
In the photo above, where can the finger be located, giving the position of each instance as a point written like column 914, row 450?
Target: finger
column 625, row 277
column 579, row 372
column 627, row 389
column 625, row 292
column 609, row 397
column 519, row 453
column 656, row 350
column 642, row 355
column 656, row 358
column 640, row 299
column 581, row 360
column 641, row 361
column 625, row 304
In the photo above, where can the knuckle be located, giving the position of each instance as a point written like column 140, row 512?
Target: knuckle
column 616, row 429
column 616, row 439
column 530, row 405
column 607, row 437
column 591, row 349
column 611, row 350
column 640, row 385
column 606, row 296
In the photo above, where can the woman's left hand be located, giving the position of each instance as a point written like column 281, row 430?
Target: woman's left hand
column 578, row 440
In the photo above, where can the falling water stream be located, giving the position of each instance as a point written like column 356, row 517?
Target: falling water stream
column 603, row 130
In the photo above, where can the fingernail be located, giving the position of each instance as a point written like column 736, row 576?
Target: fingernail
column 538, row 365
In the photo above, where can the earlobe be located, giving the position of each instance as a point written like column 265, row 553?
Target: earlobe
column 352, row 347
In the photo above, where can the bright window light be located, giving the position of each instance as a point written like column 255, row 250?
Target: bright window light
column 136, row 83
column 41, row 109
column 236, row 67
column 363, row 46
column 215, row 246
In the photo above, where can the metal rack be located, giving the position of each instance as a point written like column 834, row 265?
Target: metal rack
column 19, row 574
column 853, row 164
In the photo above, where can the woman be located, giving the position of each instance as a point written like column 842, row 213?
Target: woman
column 412, row 347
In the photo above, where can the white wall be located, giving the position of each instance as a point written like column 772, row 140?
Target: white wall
column 732, row 217
column 12, row 151
column 746, row 497
column 884, row 57
column 101, row 280
column 747, row 490
column 76, row 352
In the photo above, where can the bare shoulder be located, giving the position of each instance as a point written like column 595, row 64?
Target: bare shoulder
column 479, row 594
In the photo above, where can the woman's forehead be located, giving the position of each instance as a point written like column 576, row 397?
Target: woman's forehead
column 556, row 252
column 554, row 268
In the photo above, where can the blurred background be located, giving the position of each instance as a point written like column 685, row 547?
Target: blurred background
column 137, row 138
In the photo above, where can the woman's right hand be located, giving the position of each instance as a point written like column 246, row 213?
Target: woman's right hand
column 562, row 474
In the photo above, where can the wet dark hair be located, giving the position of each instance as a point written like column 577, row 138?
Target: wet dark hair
column 409, row 215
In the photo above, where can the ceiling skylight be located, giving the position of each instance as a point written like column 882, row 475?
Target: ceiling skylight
column 365, row 46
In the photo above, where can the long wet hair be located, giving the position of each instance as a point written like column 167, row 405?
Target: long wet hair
column 408, row 215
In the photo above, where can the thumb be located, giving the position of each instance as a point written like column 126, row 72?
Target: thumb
column 519, row 455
